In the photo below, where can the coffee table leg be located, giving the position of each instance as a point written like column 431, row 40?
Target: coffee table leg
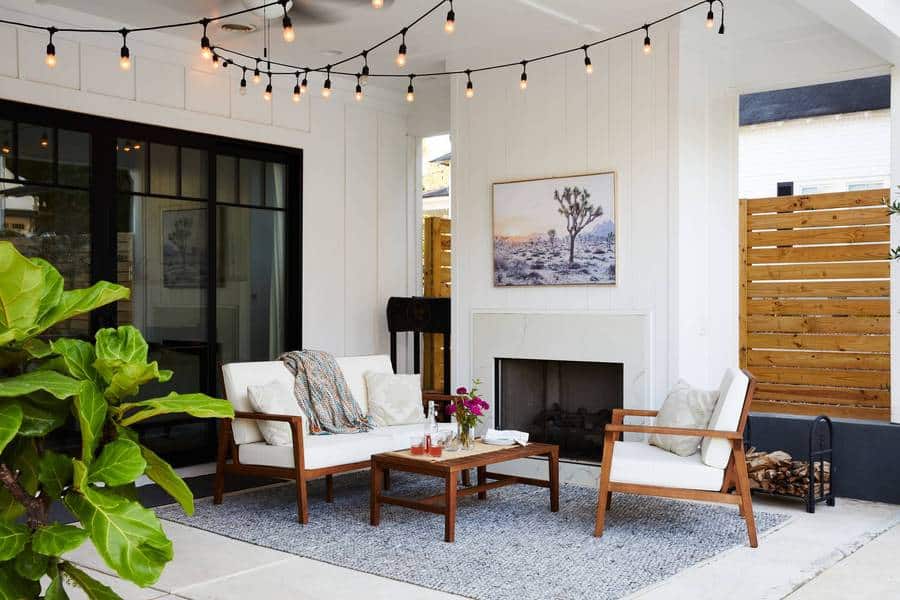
column 466, row 478
column 450, row 508
column 482, row 479
column 553, row 464
column 375, row 494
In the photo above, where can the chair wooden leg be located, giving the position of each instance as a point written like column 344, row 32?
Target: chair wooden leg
column 221, row 455
column 329, row 488
column 302, row 501
column 603, row 494
column 743, row 488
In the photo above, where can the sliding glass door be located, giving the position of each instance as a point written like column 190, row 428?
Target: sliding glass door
column 204, row 231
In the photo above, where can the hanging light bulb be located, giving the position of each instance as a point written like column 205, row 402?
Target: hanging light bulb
column 287, row 28
column 359, row 90
column 588, row 67
column 722, row 24
column 470, row 89
column 377, row 3
column 215, row 61
column 304, row 85
column 136, row 146
column 326, row 87
column 648, row 47
column 523, row 80
column 450, row 23
column 256, row 77
column 297, row 93
column 124, row 54
column 44, row 140
column 364, row 76
column 401, row 53
column 6, row 148
column 267, row 95
column 51, row 49
column 205, row 48
column 243, row 89
column 710, row 17
column 410, row 91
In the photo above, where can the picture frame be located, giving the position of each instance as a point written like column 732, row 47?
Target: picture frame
column 555, row 231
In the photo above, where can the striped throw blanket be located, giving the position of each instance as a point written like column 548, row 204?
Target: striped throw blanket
column 322, row 393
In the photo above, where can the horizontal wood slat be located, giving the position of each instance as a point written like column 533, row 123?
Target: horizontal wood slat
column 816, row 289
column 840, row 412
column 825, row 377
column 797, row 341
column 820, row 218
column 822, row 395
column 814, row 254
column 818, row 201
column 871, row 270
column 828, row 235
column 872, row 307
column 761, row 323
column 822, row 360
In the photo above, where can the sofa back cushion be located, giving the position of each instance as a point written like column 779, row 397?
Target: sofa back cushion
column 238, row 377
column 355, row 368
column 715, row 452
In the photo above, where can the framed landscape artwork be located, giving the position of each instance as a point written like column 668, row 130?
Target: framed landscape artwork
column 555, row 231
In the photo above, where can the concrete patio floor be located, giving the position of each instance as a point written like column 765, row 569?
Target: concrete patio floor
column 840, row 552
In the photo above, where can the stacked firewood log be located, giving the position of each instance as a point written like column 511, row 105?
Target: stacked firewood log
column 778, row 472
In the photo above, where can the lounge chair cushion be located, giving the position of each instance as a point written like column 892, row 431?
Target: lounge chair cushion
column 716, row 452
column 687, row 407
column 642, row 464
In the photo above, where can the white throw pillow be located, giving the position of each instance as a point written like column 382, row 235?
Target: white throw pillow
column 275, row 398
column 686, row 407
column 394, row 399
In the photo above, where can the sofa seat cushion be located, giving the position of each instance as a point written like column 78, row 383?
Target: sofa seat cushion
column 320, row 451
column 642, row 464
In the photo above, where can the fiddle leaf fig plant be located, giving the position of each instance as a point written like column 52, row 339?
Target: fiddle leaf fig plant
column 43, row 386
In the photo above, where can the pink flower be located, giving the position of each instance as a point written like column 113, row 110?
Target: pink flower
column 462, row 390
column 476, row 410
column 451, row 408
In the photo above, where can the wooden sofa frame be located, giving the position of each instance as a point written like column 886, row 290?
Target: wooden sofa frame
column 228, row 449
column 735, row 473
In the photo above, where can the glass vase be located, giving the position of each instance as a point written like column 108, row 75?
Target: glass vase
column 466, row 435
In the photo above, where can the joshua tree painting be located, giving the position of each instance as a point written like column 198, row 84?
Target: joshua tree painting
column 559, row 231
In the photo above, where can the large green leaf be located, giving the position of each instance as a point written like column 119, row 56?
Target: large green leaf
column 13, row 537
column 10, row 420
column 14, row 587
column 127, row 379
column 90, row 409
column 165, row 476
column 22, row 456
column 92, row 588
column 197, row 405
column 56, row 590
column 128, row 536
column 120, row 462
column 77, row 357
column 30, row 564
column 117, row 347
column 41, row 414
column 55, row 472
column 56, row 539
column 56, row 384
column 77, row 302
column 22, row 286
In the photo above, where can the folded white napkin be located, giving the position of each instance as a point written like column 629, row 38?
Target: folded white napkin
column 505, row 437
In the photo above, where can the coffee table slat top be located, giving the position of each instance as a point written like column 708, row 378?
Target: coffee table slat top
column 448, row 462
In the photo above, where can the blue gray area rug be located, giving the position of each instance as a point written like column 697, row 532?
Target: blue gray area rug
column 509, row 547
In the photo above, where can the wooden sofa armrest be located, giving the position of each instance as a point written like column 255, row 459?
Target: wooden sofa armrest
column 619, row 414
column 613, row 428
column 267, row 417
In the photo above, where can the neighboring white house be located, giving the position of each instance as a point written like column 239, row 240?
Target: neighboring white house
column 832, row 153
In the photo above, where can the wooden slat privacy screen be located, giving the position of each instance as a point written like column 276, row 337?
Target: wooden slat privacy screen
column 815, row 303
column 437, row 279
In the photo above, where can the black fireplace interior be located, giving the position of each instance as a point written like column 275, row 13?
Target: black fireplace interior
column 567, row 403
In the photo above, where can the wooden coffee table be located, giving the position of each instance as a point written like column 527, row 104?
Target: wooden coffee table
column 448, row 467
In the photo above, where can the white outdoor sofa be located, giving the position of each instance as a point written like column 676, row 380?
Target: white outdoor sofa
column 240, row 440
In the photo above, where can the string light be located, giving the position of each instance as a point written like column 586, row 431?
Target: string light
column 450, row 23
column 205, row 49
column 304, row 85
column 256, row 77
column 523, row 80
column 124, row 54
column 470, row 89
column 326, row 87
column 51, row 49
column 6, row 148
column 44, row 141
column 267, row 95
column 215, row 60
column 297, row 93
column 243, row 89
column 377, row 3
column 588, row 67
column 287, row 28
column 648, row 47
column 722, row 24
column 710, row 17
column 410, row 91
column 359, row 90
column 365, row 70
column 401, row 53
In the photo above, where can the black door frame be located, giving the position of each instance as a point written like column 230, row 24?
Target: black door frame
column 104, row 132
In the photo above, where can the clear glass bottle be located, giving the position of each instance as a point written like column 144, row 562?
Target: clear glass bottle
column 430, row 424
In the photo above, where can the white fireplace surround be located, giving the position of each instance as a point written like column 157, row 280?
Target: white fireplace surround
column 596, row 336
